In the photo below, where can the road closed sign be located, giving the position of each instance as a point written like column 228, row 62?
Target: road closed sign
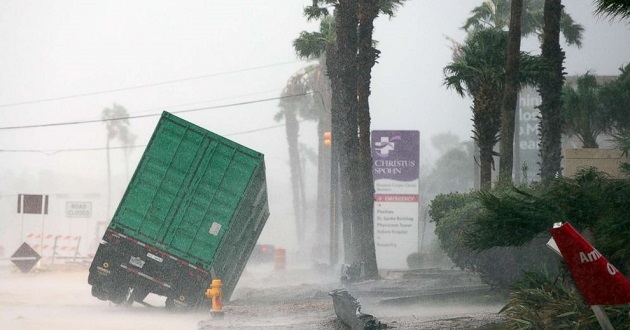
column 79, row 209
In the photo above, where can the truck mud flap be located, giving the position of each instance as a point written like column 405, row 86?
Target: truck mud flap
column 348, row 310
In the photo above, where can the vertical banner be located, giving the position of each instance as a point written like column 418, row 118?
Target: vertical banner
column 396, row 157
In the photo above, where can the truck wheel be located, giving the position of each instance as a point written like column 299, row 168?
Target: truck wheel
column 174, row 304
column 99, row 293
column 137, row 295
column 120, row 296
column 170, row 304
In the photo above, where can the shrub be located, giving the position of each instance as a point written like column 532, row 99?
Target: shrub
column 541, row 301
column 415, row 260
column 498, row 266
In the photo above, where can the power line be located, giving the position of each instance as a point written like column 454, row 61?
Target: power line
column 276, row 91
column 169, row 82
column 258, row 129
column 52, row 152
column 155, row 114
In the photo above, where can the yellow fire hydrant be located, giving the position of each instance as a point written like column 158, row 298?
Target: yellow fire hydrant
column 214, row 293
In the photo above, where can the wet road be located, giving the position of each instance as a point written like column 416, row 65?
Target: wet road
column 264, row 299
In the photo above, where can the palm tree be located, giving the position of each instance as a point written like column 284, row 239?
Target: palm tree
column 350, row 73
column 297, row 102
column 326, row 41
column 615, row 95
column 478, row 71
column 117, row 125
column 496, row 13
column 367, row 55
column 583, row 112
column 510, row 95
column 550, row 86
column 321, row 46
column 346, row 23
column 550, row 89
column 322, row 94
column 337, row 69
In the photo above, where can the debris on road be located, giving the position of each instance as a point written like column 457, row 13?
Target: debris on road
column 348, row 310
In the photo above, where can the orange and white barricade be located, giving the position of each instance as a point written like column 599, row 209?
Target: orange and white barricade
column 54, row 246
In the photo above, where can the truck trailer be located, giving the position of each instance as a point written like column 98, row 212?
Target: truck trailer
column 192, row 212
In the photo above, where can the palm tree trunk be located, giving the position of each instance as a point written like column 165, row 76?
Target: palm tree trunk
column 367, row 55
column 485, row 176
column 486, row 123
column 336, row 184
column 322, row 93
column 302, row 186
column 292, row 127
column 550, row 92
column 508, row 116
column 589, row 140
column 346, row 24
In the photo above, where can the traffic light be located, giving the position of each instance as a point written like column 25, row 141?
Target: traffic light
column 327, row 139
column 262, row 253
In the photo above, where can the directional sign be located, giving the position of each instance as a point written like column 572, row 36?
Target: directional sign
column 79, row 209
column 396, row 159
column 25, row 258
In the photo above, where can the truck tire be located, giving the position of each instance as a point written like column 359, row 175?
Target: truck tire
column 120, row 295
column 99, row 293
column 137, row 295
column 170, row 304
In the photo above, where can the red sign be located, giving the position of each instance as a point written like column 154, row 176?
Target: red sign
column 598, row 280
column 395, row 198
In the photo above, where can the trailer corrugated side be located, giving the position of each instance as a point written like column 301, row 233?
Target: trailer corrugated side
column 192, row 212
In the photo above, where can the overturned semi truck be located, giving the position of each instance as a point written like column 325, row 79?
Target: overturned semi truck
column 191, row 213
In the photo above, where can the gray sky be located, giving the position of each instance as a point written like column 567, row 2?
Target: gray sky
column 221, row 52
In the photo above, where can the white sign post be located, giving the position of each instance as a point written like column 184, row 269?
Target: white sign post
column 396, row 174
column 33, row 204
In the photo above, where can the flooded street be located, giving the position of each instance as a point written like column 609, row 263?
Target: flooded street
column 60, row 299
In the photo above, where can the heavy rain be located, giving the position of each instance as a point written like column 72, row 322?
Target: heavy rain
column 93, row 96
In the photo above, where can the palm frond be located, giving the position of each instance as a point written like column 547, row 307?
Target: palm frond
column 315, row 12
column 309, row 45
column 613, row 8
column 571, row 31
column 512, row 217
column 389, row 7
column 481, row 17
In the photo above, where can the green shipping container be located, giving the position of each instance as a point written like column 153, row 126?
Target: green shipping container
column 195, row 197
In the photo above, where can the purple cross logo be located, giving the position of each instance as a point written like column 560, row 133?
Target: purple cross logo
column 386, row 145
